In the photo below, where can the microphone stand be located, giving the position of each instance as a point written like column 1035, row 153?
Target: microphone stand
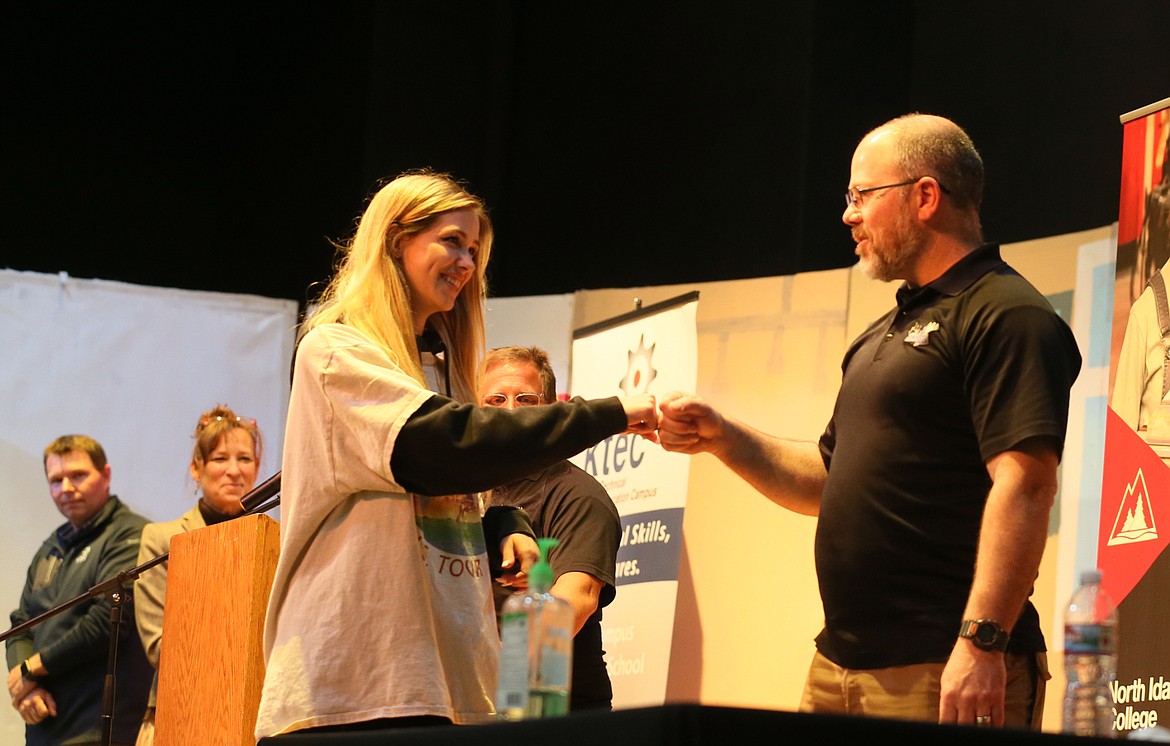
column 263, row 498
column 259, row 500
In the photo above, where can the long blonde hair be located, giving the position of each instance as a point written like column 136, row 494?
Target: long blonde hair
column 370, row 293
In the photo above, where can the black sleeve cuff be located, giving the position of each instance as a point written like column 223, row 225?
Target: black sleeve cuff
column 500, row 521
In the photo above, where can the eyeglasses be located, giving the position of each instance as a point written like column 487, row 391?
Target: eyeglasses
column 853, row 195
column 245, row 422
column 525, row 399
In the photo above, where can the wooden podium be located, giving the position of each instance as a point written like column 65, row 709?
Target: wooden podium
column 211, row 664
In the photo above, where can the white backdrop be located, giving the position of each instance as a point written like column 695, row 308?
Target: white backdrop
column 134, row 367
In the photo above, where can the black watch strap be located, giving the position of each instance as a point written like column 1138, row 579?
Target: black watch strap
column 985, row 634
column 27, row 673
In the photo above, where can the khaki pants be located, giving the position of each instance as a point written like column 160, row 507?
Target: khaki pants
column 912, row 692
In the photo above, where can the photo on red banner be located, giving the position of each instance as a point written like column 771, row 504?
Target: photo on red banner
column 1140, row 315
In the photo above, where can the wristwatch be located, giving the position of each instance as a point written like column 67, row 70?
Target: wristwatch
column 985, row 634
column 27, row 673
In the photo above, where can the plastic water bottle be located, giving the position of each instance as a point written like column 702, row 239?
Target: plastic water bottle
column 537, row 656
column 1090, row 659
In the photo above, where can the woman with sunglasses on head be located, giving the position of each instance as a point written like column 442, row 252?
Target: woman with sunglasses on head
column 381, row 611
column 223, row 466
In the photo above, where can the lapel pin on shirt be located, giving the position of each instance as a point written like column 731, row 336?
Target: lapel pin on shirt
column 919, row 334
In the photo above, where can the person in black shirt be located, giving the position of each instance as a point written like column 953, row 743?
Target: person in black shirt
column 567, row 504
column 934, row 478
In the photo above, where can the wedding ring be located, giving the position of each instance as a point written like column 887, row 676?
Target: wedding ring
column 983, row 720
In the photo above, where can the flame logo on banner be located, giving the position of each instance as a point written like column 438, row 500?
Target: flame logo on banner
column 639, row 371
column 1135, row 516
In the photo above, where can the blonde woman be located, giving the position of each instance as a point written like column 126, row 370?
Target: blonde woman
column 381, row 610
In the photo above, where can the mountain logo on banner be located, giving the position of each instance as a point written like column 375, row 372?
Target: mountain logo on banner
column 1135, row 516
column 1135, row 485
column 639, row 370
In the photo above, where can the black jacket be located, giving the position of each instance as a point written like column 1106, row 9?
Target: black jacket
column 74, row 645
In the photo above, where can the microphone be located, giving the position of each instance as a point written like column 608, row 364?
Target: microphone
column 262, row 494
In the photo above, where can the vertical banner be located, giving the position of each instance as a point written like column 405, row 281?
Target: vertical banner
column 654, row 351
column 1135, row 496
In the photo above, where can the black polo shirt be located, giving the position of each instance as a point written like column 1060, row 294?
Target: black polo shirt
column 963, row 369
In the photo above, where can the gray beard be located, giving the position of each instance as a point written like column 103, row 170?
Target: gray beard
column 909, row 241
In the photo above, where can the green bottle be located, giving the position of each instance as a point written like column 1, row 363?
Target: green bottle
column 536, row 661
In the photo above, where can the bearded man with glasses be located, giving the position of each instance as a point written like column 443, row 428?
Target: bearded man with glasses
column 566, row 504
column 933, row 480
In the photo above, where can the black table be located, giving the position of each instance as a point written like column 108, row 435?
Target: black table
column 687, row 725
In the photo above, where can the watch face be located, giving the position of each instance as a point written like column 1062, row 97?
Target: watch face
column 985, row 633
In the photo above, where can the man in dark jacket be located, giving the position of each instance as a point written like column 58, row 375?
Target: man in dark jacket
column 57, row 669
